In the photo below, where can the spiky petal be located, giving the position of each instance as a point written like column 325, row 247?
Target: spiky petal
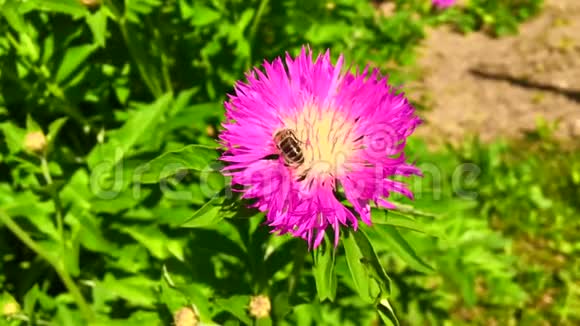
column 351, row 128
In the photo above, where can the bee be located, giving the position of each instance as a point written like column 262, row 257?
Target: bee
column 289, row 147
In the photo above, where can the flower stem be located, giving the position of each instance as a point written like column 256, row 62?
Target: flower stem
column 59, row 220
column 45, row 170
column 257, row 18
column 58, row 267
column 138, row 56
column 300, row 252
column 254, row 28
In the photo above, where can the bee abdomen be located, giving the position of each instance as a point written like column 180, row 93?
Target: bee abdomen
column 289, row 147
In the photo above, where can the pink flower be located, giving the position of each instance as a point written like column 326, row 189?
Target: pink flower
column 442, row 4
column 343, row 137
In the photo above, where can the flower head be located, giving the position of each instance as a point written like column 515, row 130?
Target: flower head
column 260, row 306
column 303, row 135
column 35, row 142
column 186, row 316
column 10, row 308
column 442, row 4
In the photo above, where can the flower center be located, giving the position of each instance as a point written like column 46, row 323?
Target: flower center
column 326, row 139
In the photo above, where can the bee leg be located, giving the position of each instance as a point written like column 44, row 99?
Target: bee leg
column 302, row 176
column 271, row 157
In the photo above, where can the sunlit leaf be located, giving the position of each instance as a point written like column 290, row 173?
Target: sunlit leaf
column 202, row 15
column 98, row 25
column 209, row 214
column 73, row 59
column 152, row 238
column 137, row 290
column 236, row 305
column 193, row 157
column 401, row 220
column 71, row 7
column 13, row 136
column 137, row 129
column 401, row 247
column 386, row 313
column 31, row 124
column 323, row 271
column 366, row 271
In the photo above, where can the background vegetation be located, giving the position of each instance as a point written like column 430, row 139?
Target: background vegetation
column 89, row 235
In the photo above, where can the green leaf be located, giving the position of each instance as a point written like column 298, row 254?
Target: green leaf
column 202, row 15
column 323, row 271
column 98, row 24
column 395, row 240
column 356, row 268
column 195, row 115
column 369, row 278
column 152, row 238
column 25, row 204
column 30, row 300
column 13, row 136
column 31, row 124
column 372, row 263
column 7, row 302
column 14, row 17
column 136, row 290
column 68, row 317
column 198, row 296
column 137, row 130
column 123, row 201
column 467, row 287
column 263, row 322
column 136, row 7
column 209, row 214
column 73, row 58
column 193, row 157
column 386, row 313
column 245, row 19
column 53, row 130
column 71, row 7
column 146, row 63
column 138, row 318
column 395, row 218
column 89, row 233
column 403, row 208
column 320, row 33
column 71, row 254
column 236, row 305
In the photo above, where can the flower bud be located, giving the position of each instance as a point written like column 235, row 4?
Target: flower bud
column 260, row 306
column 330, row 5
column 35, row 142
column 10, row 308
column 91, row 4
column 186, row 317
column 211, row 131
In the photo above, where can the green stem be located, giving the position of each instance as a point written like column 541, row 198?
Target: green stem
column 164, row 60
column 25, row 318
column 62, row 273
column 58, row 208
column 154, row 88
column 135, row 54
column 300, row 252
column 52, row 87
column 114, row 10
column 254, row 28
column 165, row 72
column 45, row 170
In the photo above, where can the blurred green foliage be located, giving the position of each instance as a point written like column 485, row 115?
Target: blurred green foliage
column 112, row 209
column 496, row 17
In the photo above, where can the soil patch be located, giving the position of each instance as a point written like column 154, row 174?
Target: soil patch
column 500, row 87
